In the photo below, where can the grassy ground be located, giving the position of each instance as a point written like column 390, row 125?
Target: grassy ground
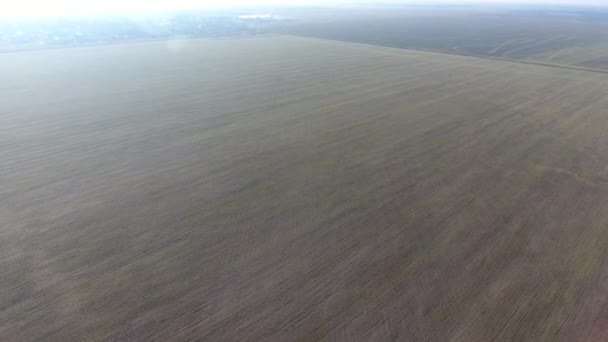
column 300, row 189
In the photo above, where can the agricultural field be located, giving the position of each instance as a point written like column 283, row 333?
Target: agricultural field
column 288, row 188
column 564, row 36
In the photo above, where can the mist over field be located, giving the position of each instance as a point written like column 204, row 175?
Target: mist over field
column 70, row 8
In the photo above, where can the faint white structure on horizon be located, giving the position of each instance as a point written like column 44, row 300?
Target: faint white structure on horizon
column 266, row 16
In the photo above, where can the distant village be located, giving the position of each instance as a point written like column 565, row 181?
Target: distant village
column 77, row 31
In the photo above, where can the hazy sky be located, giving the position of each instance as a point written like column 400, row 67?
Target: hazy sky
column 20, row 8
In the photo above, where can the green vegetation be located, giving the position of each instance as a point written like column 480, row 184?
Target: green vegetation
column 299, row 189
